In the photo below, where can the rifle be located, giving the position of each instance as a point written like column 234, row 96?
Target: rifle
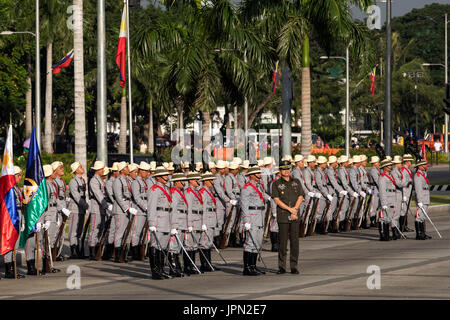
column 312, row 219
column 335, row 221
column 267, row 221
column 304, row 223
column 235, row 230
column 365, row 211
column 225, row 235
column 143, row 248
column 102, row 240
column 324, row 221
column 55, row 249
column 124, row 247
column 409, row 201
column 358, row 212
column 348, row 222
column 83, row 237
column 47, row 265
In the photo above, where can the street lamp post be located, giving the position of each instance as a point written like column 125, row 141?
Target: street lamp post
column 347, row 99
column 388, row 93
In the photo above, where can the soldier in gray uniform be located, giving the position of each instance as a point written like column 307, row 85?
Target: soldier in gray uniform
column 179, row 221
column 8, row 257
column 195, row 216
column 344, row 181
column 365, row 186
column 109, row 247
column 422, row 188
column 233, row 191
column 122, row 209
column 78, row 207
column 158, row 215
column 355, row 183
column 387, row 200
column 374, row 176
column 398, row 178
column 407, row 190
column 253, row 212
column 221, row 196
column 209, row 222
column 98, row 207
column 298, row 173
column 335, row 188
column 327, row 200
column 273, row 224
column 139, row 191
column 241, row 178
column 311, row 191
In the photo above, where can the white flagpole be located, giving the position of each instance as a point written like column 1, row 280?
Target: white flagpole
column 129, row 83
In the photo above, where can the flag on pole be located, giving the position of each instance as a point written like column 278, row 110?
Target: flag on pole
column 63, row 63
column 9, row 213
column 34, row 190
column 275, row 78
column 423, row 150
column 372, row 77
column 121, row 52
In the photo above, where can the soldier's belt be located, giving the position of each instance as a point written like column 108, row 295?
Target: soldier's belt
column 211, row 210
column 390, row 190
column 52, row 204
column 61, row 198
column 256, row 208
column 144, row 197
column 162, row 209
column 196, row 212
column 182, row 211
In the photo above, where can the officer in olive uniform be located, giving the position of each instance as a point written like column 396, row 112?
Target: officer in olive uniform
column 387, row 199
column 422, row 188
column 288, row 194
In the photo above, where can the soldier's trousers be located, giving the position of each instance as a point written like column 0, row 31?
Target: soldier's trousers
column 386, row 215
column 374, row 203
column 120, row 222
column 355, row 206
column 9, row 256
column 205, row 242
column 256, row 238
column 230, row 210
column 288, row 231
column 420, row 216
column 52, row 216
column 273, row 221
column 137, row 229
column 331, row 209
column 220, row 219
column 190, row 243
column 163, row 238
column 344, row 208
column 97, row 225
column 304, row 205
column 174, row 246
column 398, row 207
column 407, row 195
column 30, row 246
column 76, row 227
column 320, row 208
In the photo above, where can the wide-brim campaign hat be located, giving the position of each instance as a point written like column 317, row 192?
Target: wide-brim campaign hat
column 115, row 166
column 397, row 160
column 221, row 164
column 350, row 160
column 356, row 159
column 98, row 165
column 298, row 157
column 211, row 165
column 207, row 176
column 17, row 170
column 260, row 163
column 132, row 167
column 245, row 164
column 385, row 163
column 106, row 171
column 121, row 165
column 193, row 176
column 233, row 166
column 56, row 164
column 389, row 158
column 321, row 159
column 74, row 166
column 310, row 158
column 374, row 159
column 285, row 164
column 407, row 157
column 179, row 176
column 144, row 166
column 48, row 170
column 332, row 159
column 198, row 166
column 343, row 159
column 287, row 157
column 267, row 161
column 237, row 160
column 153, row 166
column 253, row 170
column 170, row 167
column 421, row 163
column 276, row 170
column 160, row 171
column 363, row 157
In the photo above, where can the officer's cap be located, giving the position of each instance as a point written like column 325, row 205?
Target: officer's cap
column 285, row 164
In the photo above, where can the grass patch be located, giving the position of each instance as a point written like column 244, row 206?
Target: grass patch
column 441, row 183
column 435, row 200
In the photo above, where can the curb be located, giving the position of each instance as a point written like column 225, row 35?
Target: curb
column 439, row 208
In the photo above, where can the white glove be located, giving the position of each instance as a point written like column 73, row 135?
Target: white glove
column 38, row 226
column 233, row 202
column 22, row 227
column 363, row 194
column 68, row 199
column 404, row 199
column 370, row 191
column 384, row 207
column 343, row 192
column 204, row 228
column 110, row 207
column 132, row 211
column 330, row 197
column 420, row 204
column 173, row 231
column 274, row 215
column 46, row 225
column 311, row 194
column 269, row 198
column 190, row 229
column 65, row 211
column 318, row 195
column 355, row 195
column 58, row 223
column 152, row 229
column 247, row 226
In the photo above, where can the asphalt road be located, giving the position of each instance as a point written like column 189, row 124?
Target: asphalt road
column 332, row 266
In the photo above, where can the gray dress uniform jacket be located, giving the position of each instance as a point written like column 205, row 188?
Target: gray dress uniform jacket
column 407, row 186
column 195, row 216
column 374, row 176
column 298, row 173
column 387, row 196
column 232, row 187
column 253, row 212
column 139, row 189
column 241, row 179
column 158, row 213
column 310, row 182
column 62, row 194
column 221, row 196
column 122, row 195
column 365, row 186
column 209, row 217
column 422, row 188
column 178, row 218
column 109, row 189
column 398, row 178
column 97, row 192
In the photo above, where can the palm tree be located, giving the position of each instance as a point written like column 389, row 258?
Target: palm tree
column 80, row 121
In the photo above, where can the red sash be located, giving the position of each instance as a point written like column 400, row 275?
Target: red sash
column 195, row 194
column 420, row 174
column 407, row 170
column 386, row 175
column 56, row 188
column 169, row 198
column 256, row 189
column 182, row 195
column 212, row 197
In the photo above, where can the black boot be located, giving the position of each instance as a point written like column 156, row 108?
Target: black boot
column 117, row 254
column 381, row 230
column 173, row 272
column 9, row 272
column 248, row 271
column 192, row 255
column 254, row 257
column 372, row 222
column 419, row 233
column 107, row 252
column 31, row 268
column 162, row 263
column 208, row 255
column 187, row 265
column 406, row 229
column 386, row 232
column 176, row 258
column 19, row 275
column 73, row 252
column 274, row 241
column 204, row 267
column 424, row 231
column 91, row 253
column 153, row 265
column 394, row 234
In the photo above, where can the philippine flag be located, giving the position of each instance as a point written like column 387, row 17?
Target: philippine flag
column 9, row 214
column 63, row 63
column 121, row 54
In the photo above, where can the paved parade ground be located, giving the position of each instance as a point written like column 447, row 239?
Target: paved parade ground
column 332, row 266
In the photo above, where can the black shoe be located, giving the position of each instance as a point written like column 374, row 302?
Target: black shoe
column 254, row 257
column 153, row 265
column 372, row 222
column 173, row 272
column 31, row 268
column 91, row 253
column 294, row 271
column 424, row 231
column 107, row 252
column 178, row 264
column 9, row 272
column 386, row 232
column 394, row 234
column 208, row 255
column 117, row 254
column 281, row 271
column 248, row 270
column 187, row 265
column 161, row 259
column 419, row 232
column 73, row 252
